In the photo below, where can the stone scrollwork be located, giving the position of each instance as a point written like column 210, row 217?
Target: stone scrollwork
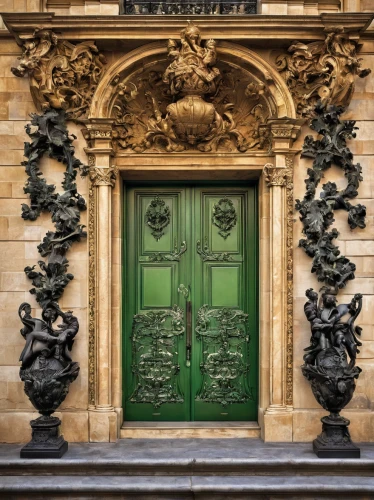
column 193, row 102
column 322, row 71
column 62, row 75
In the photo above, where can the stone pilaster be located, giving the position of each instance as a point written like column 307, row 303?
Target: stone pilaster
column 279, row 178
column 102, row 174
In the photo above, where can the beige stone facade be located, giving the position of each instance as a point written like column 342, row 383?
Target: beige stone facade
column 93, row 409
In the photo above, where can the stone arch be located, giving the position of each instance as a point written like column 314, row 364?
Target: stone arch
column 235, row 54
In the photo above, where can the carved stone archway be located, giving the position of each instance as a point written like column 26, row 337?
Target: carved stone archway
column 276, row 243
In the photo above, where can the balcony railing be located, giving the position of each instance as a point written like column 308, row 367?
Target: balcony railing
column 135, row 8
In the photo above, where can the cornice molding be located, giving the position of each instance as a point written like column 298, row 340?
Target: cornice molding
column 256, row 27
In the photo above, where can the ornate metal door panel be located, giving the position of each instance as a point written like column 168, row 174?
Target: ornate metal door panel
column 156, row 378
column 190, row 315
column 225, row 348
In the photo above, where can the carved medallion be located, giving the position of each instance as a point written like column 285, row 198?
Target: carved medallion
column 157, row 217
column 225, row 365
column 224, row 216
column 155, row 357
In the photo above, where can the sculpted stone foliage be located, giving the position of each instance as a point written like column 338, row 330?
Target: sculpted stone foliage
column 322, row 71
column 62, row 75
column 47, row 368
column 193, row 102
column 334, row 338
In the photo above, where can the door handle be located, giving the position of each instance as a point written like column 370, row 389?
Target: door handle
column 185, row 291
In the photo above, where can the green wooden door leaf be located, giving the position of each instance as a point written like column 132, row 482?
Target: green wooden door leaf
column 190, row 310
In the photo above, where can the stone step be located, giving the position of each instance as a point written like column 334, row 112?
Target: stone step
column 189, row 430
column 181, row 487
column 187, row 457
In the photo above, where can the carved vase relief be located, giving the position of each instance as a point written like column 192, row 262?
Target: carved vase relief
column 190, row 102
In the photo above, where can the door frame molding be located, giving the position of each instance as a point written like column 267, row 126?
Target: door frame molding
column 273, row 171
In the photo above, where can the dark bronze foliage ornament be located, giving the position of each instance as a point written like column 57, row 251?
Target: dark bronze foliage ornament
column 47, row 368
column 157, row 217
column 224, row 216
column 224, row 335
column 330, row 360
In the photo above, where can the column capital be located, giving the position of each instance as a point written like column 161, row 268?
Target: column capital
column 103, row 176
column 278, row 176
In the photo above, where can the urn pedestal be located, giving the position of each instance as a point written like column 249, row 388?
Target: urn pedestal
column 46, row 441
column 335, row 440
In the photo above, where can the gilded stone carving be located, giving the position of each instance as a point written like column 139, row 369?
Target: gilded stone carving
column 103, row 176
column 289, row 250
column 62, row 75
column 225, row 365
column 322, row 71
column 192, row 102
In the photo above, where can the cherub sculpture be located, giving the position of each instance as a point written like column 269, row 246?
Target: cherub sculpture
column 47, row 368
column 43, row 340
column 328, row 328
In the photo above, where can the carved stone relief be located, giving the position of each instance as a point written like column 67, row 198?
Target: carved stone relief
column 322, row 71
column 62, row 75
column 190, row 102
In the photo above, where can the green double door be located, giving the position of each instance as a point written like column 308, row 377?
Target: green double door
column 190, row 312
